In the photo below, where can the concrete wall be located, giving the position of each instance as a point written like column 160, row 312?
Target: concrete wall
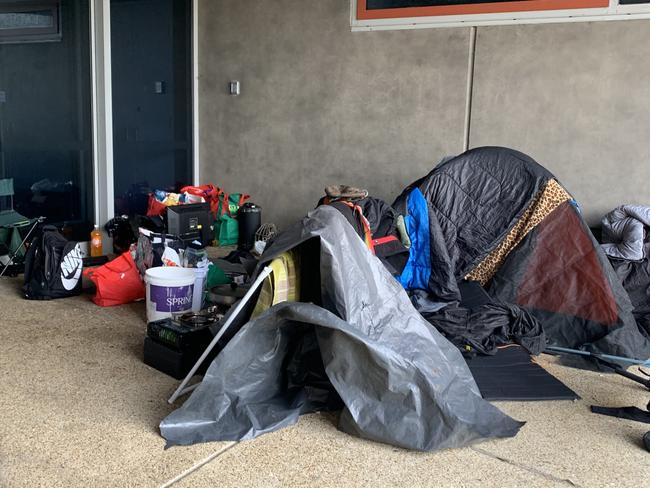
column 576, row 97
column 321, row 105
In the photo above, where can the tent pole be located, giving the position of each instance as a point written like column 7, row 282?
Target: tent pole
column 258, row 281
column 622, row 359
column 189, row 388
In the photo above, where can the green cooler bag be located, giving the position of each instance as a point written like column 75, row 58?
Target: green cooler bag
column 226, row 230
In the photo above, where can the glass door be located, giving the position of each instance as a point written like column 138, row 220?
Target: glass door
column 46, row 111
column 152, row 99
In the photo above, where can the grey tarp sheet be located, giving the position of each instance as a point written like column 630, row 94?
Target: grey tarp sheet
column 624, row 232
column 401, row 382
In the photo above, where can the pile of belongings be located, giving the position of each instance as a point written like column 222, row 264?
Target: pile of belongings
column 223, row 206
column 381, row 228
column 121, row 280
column 353, row 343
column 627, row 244
column 220, row 201
column 159, row 200
column 341, row 327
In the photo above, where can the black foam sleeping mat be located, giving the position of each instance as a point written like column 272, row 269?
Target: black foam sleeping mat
column 511, row 375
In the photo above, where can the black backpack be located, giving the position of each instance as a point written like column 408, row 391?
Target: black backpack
column 53, row 266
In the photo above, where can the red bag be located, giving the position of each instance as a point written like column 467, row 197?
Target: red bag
column 155, row 208
column 118, row 282
column 228, row 204
column 209, row 192
column 205, row 191
column 218, row 199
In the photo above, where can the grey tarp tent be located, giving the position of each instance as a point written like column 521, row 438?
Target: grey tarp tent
column 365, row 348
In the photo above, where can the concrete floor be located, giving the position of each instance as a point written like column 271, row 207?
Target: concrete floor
column 79, row 408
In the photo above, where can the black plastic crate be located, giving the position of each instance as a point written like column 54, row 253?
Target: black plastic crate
column 179, row 336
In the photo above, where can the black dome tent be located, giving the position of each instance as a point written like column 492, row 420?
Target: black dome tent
column 497, row 217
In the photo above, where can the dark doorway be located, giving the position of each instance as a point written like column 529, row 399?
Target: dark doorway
column 152, row 99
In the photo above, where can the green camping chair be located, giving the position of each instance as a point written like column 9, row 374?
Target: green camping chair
column 12, row 244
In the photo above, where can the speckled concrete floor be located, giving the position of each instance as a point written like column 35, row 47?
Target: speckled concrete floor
column 79, row 408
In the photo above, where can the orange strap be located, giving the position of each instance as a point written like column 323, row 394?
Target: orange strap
column 364, row 223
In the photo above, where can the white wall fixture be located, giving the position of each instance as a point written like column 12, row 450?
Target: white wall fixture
column 234, row 88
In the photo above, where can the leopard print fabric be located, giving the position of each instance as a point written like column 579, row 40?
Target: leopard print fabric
column 547, row 200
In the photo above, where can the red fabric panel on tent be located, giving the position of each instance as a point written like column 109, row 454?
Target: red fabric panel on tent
column 564, row 273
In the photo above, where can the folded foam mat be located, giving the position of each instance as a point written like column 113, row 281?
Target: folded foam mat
column 512, row 375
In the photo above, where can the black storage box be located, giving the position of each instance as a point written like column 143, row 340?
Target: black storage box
column 173, row 346
column 191, row 222
column 171, row 361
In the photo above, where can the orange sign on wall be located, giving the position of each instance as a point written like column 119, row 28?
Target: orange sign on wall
column 370, row 9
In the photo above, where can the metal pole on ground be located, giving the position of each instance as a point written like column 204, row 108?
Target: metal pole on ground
column 607, row 361
column 623, row 359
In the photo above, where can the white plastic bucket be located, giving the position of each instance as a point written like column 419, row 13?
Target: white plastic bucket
column 170, row 290
column 200, row 275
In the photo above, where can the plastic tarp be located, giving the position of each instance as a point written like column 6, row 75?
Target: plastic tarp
column 363, row 348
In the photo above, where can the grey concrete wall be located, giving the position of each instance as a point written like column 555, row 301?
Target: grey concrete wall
column 320, row 105
column 576, row 97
